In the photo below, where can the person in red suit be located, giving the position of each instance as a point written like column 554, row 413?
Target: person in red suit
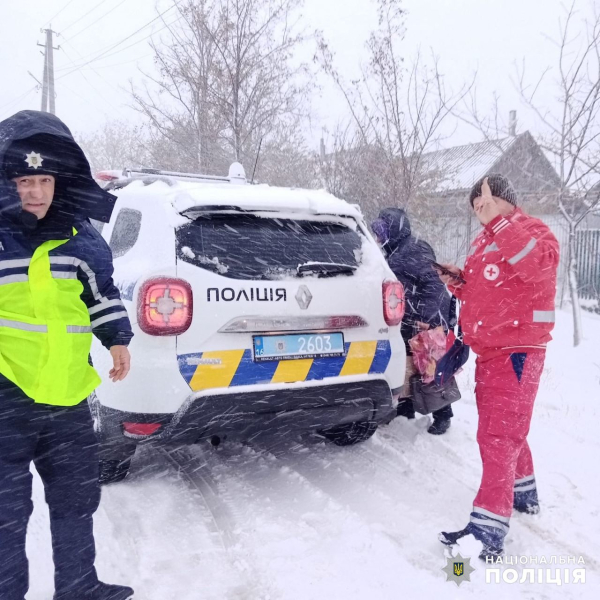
column 507, row 314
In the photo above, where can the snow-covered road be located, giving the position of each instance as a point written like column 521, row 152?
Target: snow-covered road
column 304, row 519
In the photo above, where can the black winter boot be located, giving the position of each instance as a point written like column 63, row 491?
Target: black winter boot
column 439, row 426
column 405, row 408
column 101, row 591
column 450, row 538
column 526, row 496
column 491, row 551
column 490, row 535
column 441, row 420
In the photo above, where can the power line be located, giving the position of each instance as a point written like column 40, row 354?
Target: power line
column 68, row 41
column 96, row 89
column 60, row 11
column 144, row 38
column 75, row 93
column 16, row 100
column 84, row 16
column 108, row 48
column 73, row 66
column 102, row 54
column 112, row 65
column 83, row 66
column 5, row 107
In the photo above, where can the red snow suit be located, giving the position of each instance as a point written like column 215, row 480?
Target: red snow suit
column 507, row 314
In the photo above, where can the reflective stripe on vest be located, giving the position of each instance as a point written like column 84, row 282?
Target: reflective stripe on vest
column 23, row 263
column 23, row 326
column 543, row 316
column 45, row 329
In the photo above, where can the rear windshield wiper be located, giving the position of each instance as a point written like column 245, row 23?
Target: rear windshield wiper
column 324, row 269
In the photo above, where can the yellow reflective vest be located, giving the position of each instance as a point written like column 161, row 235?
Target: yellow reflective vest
column 45, row 333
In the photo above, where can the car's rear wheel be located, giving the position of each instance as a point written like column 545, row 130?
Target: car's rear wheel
column 115, row 460
column 351, row 433
column 113, row 470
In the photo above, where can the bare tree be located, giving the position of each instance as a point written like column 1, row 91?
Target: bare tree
column 397, row 108
column 116, row 145
column 285, row 160
column 340, row 162
column 572, row 134
column 350, row 168
column 226, row 79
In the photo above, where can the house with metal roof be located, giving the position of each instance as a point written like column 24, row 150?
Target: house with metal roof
column 450, row 174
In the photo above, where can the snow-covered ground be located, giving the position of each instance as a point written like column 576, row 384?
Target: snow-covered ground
column 304, row 519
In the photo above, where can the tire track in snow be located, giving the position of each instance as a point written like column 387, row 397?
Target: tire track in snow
column 388, row 443
column 155, row 535
column 300, row 527
column 550, row 538
column 364, row 477
column 345, row 475
column 324, row 469
column 261, row 472
column 194, row 471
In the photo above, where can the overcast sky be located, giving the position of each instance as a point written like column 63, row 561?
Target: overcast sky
column 484, row 36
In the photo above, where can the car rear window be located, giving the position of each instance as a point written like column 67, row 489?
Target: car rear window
column 252, row 247
column 125, row 232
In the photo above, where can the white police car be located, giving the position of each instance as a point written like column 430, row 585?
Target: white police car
column 255, row 309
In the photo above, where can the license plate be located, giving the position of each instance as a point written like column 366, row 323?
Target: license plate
column 297, row 346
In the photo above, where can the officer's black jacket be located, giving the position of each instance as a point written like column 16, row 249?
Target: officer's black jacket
column 77, row 199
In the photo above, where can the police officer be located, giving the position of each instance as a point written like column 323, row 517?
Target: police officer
column 56, row 289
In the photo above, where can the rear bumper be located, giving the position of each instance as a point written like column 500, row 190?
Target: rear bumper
column 244, row 416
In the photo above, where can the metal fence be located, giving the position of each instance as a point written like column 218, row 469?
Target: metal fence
column 451, row 238
column 588, row 263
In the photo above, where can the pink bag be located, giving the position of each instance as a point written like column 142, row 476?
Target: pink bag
column 427, row 348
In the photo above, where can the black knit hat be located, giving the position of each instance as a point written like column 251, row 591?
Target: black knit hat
column 500, row 186
column 40, row 154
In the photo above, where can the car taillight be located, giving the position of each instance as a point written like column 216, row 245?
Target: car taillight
column 106, row 176
column 140, row 429
column 393, row 302
column 165, row 306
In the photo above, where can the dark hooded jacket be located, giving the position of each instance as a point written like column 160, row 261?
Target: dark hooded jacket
column 77, row 199
column 426, row 298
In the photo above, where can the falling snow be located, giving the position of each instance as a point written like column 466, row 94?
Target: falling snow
column 303, row 519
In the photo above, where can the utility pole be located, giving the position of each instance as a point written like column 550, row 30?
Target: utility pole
column 48, row 95
column 45, row 83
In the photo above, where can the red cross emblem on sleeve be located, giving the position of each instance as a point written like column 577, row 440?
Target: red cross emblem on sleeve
column 491, row 272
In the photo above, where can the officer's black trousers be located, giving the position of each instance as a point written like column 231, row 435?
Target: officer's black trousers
column 61, row 443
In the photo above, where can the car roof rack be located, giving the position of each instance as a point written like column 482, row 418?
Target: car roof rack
column 175, row 174
column 120, row 179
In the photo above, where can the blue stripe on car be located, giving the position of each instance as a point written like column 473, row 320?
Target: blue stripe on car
column 251, row 373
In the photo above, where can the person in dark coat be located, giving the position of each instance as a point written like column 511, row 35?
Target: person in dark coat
column 427, row 303
column 56, row 290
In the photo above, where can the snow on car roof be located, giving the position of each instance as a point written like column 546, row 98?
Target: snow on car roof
column 188, row 195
